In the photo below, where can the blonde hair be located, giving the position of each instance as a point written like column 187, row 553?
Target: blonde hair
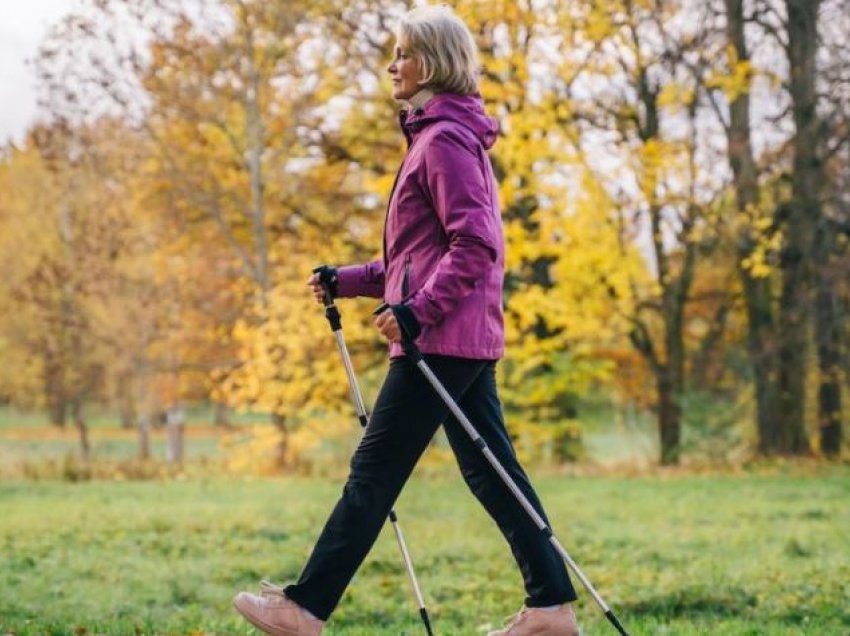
column 444, row 45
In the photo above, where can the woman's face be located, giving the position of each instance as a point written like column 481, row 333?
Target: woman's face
column 405, row 72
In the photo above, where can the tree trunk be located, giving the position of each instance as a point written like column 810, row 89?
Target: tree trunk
column 669, row 417
column 804, row 213
column 789, row 437
column 761, row 328
column 808, row 183
column 279, row 422
column 828, row 337
column 82, row 428
column 127, row 408
column 54, row 388
column 175, row 420
column 255, row 133
column 144, row 436
column 221, row 415
column 58, row 410
column 761, row 344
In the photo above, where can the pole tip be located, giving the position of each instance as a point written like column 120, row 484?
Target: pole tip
column 616, row 623
column 424, row 614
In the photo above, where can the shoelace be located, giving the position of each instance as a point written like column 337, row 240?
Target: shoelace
column 267, row 588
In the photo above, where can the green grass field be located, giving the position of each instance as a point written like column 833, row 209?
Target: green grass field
column 673, row 554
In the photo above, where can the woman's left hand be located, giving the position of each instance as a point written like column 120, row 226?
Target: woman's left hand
column 388, row 326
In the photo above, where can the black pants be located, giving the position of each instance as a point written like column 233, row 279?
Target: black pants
column 405, row 418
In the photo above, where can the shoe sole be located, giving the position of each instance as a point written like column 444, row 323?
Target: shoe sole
column 256, row 622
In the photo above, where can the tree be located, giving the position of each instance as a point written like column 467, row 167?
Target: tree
column 641, row 123
column 798, row 230
column 811, row 183
column 754, row 231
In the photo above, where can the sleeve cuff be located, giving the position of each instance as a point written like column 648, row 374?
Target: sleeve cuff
column 348, row 281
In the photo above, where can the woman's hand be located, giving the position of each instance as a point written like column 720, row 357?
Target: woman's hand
column 324, row 282
column 388, row 326
column 317, row 289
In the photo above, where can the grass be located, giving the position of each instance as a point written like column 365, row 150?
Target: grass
column 672, row 554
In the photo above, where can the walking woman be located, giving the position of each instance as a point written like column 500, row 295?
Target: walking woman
column 441, row 274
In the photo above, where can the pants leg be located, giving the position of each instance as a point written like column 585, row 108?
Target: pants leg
column 406, row 415
column 544, row 573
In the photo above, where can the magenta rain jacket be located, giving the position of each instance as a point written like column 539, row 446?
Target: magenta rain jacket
column 443, row 239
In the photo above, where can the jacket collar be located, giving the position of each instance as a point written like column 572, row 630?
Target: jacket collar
column 418, row 100
column 463, row 110
column 413, row 110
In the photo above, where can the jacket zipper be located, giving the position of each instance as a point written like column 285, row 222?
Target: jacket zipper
column 392, row 192
column 387, row 214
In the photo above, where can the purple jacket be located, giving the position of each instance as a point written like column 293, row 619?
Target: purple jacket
column 443, row 240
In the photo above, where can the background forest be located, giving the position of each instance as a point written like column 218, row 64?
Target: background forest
column 673, row 176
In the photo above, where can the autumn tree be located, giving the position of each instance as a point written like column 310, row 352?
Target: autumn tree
column 810, row 215
column 794, row 232
column 639, row 120
column 74, row 230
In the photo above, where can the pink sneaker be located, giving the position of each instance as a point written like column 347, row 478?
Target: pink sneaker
column 275, row 614
column 541, row 622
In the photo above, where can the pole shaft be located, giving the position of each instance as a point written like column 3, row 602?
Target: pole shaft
column 356, row 396
column 408, row 562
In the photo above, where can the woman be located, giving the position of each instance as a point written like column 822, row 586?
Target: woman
column 442, row 275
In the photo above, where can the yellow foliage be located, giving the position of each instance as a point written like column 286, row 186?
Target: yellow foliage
column 676, row 95
column 736, row 79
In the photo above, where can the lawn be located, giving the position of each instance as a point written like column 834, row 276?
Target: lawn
column 677, row 554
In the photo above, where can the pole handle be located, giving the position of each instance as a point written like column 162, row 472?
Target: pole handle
column 327, row 279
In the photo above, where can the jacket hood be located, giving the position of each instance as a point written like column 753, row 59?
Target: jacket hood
column 467, row 110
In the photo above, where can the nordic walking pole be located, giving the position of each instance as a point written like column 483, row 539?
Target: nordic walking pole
column 415, row 355
column 335, row 322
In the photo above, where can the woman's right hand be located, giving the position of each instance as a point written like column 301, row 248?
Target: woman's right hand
column 317, row 289
column 323, row 282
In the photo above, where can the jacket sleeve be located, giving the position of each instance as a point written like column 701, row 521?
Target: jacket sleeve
column 461, row 196
column 361, row 280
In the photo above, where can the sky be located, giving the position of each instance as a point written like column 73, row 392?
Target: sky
column 22, row 26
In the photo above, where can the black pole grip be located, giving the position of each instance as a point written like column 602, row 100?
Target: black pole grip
column 326, row 280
